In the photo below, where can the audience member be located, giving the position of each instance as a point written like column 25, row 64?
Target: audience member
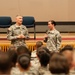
column 22, row 50
column 38, row 44
column 5, row 63
column 44, row 59
column 58, row 64
column 24, row 66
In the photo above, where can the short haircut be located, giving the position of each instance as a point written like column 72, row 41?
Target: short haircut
column 18, row 15
column 44, row 58
column 67, row 47
column 24, row 60
column 52, row 22
column 13, row 55
column 5, row 61
column 44, row 55
column 58, row 64
column 39, row 44
column 23, row 49
column 43, row 48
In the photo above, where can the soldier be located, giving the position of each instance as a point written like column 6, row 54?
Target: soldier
column 44, row 58
column 38, row 44
column 24, row 66
column 52, row 37
column 58, row 64
column 18, row 33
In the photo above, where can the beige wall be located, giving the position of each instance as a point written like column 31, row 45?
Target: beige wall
column 42, row 10
column 71, row 10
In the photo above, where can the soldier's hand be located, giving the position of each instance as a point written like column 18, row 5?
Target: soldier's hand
column 22, row 36
column 19, row 36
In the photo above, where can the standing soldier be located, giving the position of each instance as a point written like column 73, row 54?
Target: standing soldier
column 18, row 33
column 52, row 37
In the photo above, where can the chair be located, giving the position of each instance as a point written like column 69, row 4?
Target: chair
column 5, row 21
column 29, row 22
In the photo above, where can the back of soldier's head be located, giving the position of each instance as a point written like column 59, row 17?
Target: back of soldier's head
column 39, row 44
column 66, row 48
column 67, row 51
column 44, row 55
column 23, row 49
column 44, row 58
column 58, row 64
column 24, row 60
column 43, row 48
column 13, row 55
column 5, row 61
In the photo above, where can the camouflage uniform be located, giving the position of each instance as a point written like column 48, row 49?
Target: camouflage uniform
column 33, row 55
column 72, row 72
column 35, row 63
column 44, row 71
column 34, row 60
column 14, row 31
column 31, row 71
column 53, row 40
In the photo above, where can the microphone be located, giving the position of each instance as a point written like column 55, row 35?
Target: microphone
column 45, row 39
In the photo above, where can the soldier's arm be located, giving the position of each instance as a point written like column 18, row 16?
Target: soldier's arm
column 10, row 34
column 58, row 38
column 26, row 34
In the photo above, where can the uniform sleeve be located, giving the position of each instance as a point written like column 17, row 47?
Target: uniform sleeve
column 10, row 34
column 58, row 38
column 15, row 71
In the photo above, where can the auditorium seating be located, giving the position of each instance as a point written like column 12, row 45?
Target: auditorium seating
column 29, row 22
column 5, row 21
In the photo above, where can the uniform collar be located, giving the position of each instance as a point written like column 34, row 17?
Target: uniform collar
column 17, row 25
column 51, row 31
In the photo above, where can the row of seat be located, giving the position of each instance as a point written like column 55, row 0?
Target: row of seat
column 28, row 21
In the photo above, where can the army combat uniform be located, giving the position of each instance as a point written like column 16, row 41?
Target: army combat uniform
column 53, row 40
column 14, row 31
column 30, row 71
column 44, row 70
